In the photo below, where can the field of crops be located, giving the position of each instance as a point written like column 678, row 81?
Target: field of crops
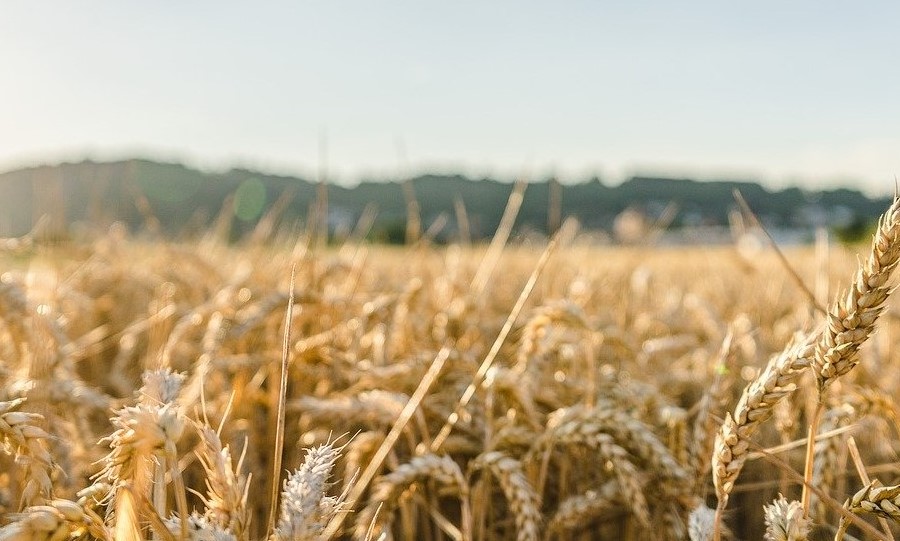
column 150, row 390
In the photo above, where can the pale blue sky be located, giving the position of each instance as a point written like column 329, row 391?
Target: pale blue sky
column 803, row 92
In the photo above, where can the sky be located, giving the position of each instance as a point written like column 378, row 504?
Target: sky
column 788, row 93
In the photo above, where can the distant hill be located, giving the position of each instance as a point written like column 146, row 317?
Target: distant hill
column 183, row 201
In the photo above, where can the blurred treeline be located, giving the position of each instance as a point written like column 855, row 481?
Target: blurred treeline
column 176, row 201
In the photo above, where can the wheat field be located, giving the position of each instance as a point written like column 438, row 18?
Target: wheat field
column 553, row 391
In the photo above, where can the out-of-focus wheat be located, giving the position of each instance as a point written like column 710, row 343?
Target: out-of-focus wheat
column 601, row 414
column 389, row 488
column 20, row 433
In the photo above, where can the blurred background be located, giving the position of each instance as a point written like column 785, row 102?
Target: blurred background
column 166, row 117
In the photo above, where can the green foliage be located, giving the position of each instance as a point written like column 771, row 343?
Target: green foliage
column 858, row 231
column 393, row 232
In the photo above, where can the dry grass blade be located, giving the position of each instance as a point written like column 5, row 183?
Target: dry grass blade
column 282, row 398
column 796, row 444
column 389, row 488
column 381, row 454
column 488, row 361
column 498, row 242
column 810, row 296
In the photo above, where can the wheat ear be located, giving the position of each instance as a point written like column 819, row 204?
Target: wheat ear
column 523, row 500
column 785, row 521
column 590, row 433
column 306, row 506
column 575, row 512
column 58, row 519
column 777, row 381
column 701, row 523
column 852, row 318
column 875, row 499
column 389, row 488
column 198, row 528
column 20, row 432
column 226, row 486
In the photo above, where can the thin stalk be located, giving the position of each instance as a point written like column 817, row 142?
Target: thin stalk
column 805, row 497
column 799, row 443
column 282, row 397
column 381, row 454
column 781, row 257
column 498, row 242
column 159, row 490
column 717, row 524
column 488, row 361
column 180, row 491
